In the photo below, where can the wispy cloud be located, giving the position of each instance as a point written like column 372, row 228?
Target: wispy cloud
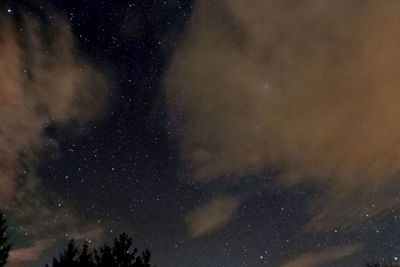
column 18, row 257
column 42, row 82
column 210, row 217
column 322, row 258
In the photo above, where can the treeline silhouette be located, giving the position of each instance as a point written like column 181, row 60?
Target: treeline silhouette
column 120, row 254
column 378, row 264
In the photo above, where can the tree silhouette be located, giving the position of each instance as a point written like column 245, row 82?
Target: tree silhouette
column 120, row 255
column 104, row 257
column 86, row 258
column 4, row 247
column 377, row 264
column 68, row 257
column 124, row 255
column 146, row 255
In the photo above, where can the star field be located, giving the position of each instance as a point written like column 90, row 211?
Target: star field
column 132, row 168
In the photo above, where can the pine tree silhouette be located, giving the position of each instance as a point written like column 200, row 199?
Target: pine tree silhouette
column 146, row 255
column 86, row 258
column 377, row 264
column 4, row 247
column 124, row 255
column 104, row 257
column 68, row 258
column 120, row 255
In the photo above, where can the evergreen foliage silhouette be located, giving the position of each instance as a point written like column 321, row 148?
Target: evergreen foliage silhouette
column 86, row 258
column 4, row 247
column 120, row 255
column 377, row 264
column 104, row 257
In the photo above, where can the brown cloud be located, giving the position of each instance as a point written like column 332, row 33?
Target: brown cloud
column 20, row 256
column 39, row 219
column 43, row 82
column 322, row 258
column 308, row 89
column 210, row 217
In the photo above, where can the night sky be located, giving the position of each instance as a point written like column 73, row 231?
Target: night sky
column 216, row 133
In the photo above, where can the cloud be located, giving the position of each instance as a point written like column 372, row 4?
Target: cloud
column 322, row 258
column 212, row 216
column 19, row 256
column 40, row 219
column 43, row 82
column 309, row 90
